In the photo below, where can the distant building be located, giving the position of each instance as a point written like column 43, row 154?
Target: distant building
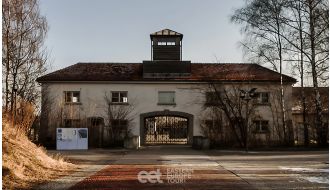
column 161, row 101
column 297, row 113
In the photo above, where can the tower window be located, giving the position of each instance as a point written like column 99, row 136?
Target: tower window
column 166, row 43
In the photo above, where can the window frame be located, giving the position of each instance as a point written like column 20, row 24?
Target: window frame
column 171, row 43
column 211, row 124
column 260, row 96
column 71, row 96
column 259, row 128
column 166, row 43
column 161, row 43
column 73, row 123
column 211, row 98
column 121, row 128
column 121, row 123
column 120, row 97
column 166, row 103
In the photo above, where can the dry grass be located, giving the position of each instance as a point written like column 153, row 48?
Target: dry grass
column 24, row 164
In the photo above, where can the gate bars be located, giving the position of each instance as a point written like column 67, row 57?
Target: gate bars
column 166, row 130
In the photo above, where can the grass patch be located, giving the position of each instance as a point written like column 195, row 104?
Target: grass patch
column 25, row 164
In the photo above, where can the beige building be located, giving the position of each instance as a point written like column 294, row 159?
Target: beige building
column 166, row 100
column 310, row 114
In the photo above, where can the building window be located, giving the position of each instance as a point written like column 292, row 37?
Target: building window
column 119, row 97
column 213, row 126
column 95, row 121
column 261, row 126
column 262, row 97
column 119, row 123
column 170, row 43
column 166, row 43
column 211, row 98
column 72, row 96
column 71, row 123
column 161, row 43
column 166, row 97
column 119, row 128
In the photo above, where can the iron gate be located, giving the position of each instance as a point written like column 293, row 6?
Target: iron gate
column 166, row 130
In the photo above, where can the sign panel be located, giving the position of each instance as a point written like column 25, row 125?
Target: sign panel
column 71, row 138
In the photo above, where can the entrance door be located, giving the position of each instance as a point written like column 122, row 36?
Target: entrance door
column 166, row 130
column 95, row 133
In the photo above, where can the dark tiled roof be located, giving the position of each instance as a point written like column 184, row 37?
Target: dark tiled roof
column 133, row 72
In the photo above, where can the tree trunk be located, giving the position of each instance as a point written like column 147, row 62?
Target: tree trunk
column 7, row 71
column 303, row 97
column 321, row 137
column 279, row 44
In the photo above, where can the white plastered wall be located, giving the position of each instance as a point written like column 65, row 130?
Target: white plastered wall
column 189, row 98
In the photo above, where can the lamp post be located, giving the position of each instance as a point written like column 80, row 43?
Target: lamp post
column 14, row 108
column 247, row 96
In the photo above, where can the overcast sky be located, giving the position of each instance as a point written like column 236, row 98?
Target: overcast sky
column 118, row 31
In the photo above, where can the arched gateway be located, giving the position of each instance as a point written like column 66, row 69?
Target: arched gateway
column 166, row 127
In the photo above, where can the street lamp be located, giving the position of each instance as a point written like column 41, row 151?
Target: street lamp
column 14, row 108
column 247, row 96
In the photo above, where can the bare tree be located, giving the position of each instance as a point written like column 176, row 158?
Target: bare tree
column 296, row 22
column 118, row 112
column 228, row 100
column 313, row 37
column 23, row 54
column 302, row 27
column 263, row 22
column 312, row 25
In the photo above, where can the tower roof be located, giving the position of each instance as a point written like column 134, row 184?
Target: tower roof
column 166, row 32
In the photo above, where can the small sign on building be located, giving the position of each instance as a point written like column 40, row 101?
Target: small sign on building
column 71, row 139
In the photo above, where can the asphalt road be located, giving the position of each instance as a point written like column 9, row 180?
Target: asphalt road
column 278, row 169
column 180, row 167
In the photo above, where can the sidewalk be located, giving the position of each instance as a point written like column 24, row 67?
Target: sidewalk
column 90, row 162
column 168, row 160
column 213, row 169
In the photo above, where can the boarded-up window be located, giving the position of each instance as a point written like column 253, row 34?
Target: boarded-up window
column 166, row 97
